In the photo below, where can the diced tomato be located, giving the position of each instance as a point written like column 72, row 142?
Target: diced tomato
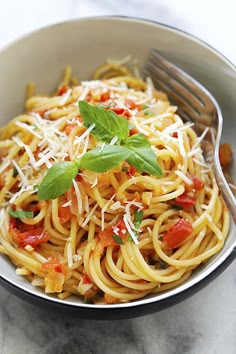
column 106, row 236
column 104, row 178
column 109, row 299
column 130, row 104
column 63, row 89
column 86, row 279
column 35, row 207
column 225, row 154
column 79, row 178
column 177, row 233
column 134, row 207
column 133, row 131
column 32, row 237
column 188, row 188
column 88, row 97
column 69, row 128
column 120, row 111
column 105, row 96
column 53, row 263
column 120, row 225
column 131, row 170
column 12, row 223
column 42, row 112
column 64, row 212
column 197, row 183
column 175, row 135
column 70, row 195
column 185, row 201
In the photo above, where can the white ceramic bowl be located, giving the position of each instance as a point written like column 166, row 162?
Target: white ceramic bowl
column 84, row 44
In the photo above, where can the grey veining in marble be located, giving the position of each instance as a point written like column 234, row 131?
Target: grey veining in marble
column 203, row 324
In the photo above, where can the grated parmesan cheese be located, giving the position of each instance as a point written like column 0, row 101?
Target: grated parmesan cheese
column 200, row 138
column 78, row 197
column 114, row 140
column 21, row 174
column 184, row 177
column 89, row 216
column 28, row 128
column 67, row 204
column 116, row 205
column 4, row 166
column 104, row 209
column 65, row 97
column 84, row 93
column 131, row 232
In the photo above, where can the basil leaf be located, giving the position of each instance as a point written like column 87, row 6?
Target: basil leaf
column 21, row 214
column 101, row 160
column 15, row 172
column 138, row 215
column 143, row 157
column 163, row 264
column 149, row 113
column 118, row 240
column 107, row 123
column 58, row 180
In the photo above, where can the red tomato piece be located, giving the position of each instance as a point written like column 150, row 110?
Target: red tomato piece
column 185, row 201
column 105, row 96
column 64, row 213
column 79, row 178
column 175, row 135
column 12, row 223
column 106, row 236
column 131, row 170
column 69, row 128
column 197, row 183
column 42, row 112
column 53, row 264
column 121, row 111
column 88, row 97
column 63, row 89
column 130, row 104
column 86, row 279
column 133, row 131
column 32, row 237
column 177, row 233
column 120, row 225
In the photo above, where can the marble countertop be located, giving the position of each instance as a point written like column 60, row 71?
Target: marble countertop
column 202, row 324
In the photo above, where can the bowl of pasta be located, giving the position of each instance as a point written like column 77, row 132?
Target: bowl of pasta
column 108, row 208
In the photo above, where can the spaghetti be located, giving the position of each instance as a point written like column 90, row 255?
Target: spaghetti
column 117, row 235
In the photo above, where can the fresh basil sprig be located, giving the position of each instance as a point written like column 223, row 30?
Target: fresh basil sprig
column 138, row 217
column 21, row 214
column 143, row 157
column 118, row 239
column 135, row 149
column 101, row 160
column 107, row 123
column 58, row 180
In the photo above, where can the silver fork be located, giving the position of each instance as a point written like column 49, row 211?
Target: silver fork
column 195, row 104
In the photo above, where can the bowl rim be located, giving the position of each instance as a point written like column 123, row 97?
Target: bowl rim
column 169, row 294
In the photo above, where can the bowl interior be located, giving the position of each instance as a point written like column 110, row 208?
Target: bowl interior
column 84, row 44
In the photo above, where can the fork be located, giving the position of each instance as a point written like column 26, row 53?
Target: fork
column 197, row 105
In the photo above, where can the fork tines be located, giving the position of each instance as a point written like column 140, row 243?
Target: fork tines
column 189, row 95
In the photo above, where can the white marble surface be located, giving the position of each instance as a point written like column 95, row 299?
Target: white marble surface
column 203, row 324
